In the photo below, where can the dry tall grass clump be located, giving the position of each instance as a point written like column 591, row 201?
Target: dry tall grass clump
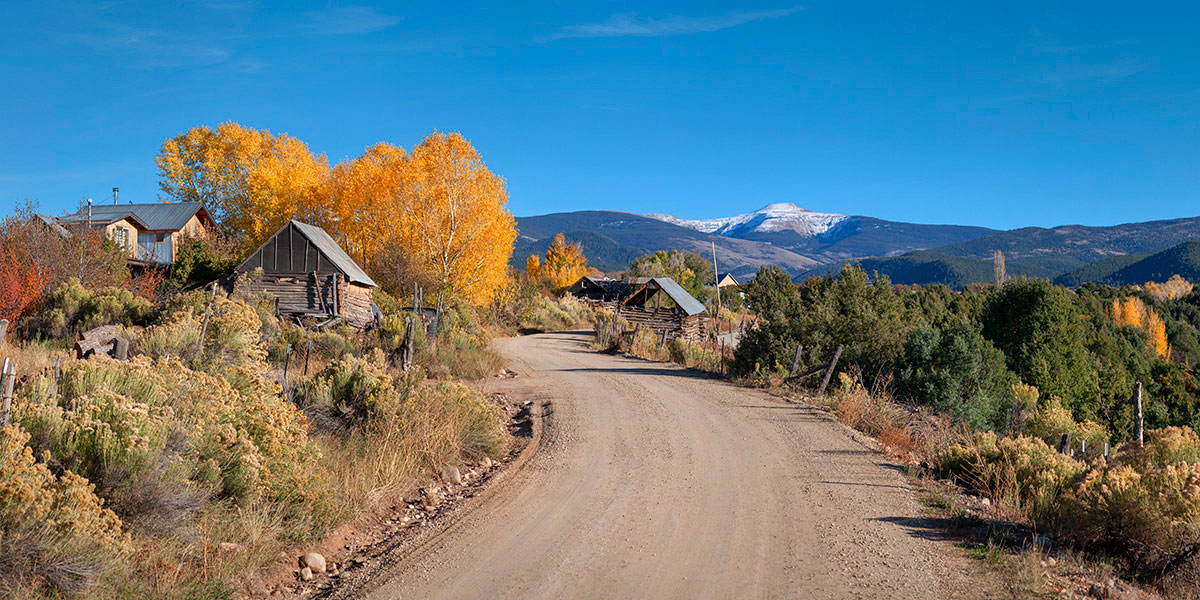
column 1020, row 473
column 1143, row 507
column 55, row 534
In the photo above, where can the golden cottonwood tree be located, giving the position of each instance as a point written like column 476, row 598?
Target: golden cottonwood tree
column 451, row 219
column 361, row 196
column 253, row 181
column 564, row 265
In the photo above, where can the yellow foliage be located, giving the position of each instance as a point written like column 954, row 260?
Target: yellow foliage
column 253, row 181
column 565, row 264
column 451, row 220
column 361, row 193
column 1132, row 311
column 1174, row 288
column 533, row 267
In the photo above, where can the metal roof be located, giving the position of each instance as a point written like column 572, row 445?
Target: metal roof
column 54, row 226
column 159, row 216
column 334, row 253
column 686, row 302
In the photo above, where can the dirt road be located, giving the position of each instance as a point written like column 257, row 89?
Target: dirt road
column 654, row 482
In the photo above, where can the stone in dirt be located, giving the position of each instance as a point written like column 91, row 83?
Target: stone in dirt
column 313, row 561
column 450, row 474
column 485, row 462
column 306, row 574
column 430, row 498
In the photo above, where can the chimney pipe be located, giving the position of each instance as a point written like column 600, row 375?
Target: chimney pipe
column 115, row 192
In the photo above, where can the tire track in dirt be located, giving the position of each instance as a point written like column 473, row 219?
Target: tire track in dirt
column 653, row 481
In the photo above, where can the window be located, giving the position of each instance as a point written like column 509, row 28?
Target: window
column 160, row 238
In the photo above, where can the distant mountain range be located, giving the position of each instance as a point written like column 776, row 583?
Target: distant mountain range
column 806, row 243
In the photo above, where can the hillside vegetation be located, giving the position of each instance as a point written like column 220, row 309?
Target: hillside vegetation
column 1136, row 269
column 1014, row 371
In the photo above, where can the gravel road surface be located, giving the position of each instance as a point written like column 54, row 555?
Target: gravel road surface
column 652, row 481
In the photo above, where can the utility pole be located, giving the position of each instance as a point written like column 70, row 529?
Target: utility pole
column 717, row 286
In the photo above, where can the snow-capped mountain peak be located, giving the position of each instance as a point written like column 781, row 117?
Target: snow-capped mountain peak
column 781, row 216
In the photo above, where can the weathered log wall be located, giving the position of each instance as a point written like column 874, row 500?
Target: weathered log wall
column 355, row 303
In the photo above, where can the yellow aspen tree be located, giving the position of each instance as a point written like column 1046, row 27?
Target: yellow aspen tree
column 361, row 194
column 533, row 268
column 252, row 181
column 452, row 221
column 565, row 264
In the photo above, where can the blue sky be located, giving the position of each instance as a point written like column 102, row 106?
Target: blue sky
column 993, row 114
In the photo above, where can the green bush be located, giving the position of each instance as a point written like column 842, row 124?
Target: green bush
column 356, row 388
column 1039, row 328
column 231, row 338
column 956, row 372
column 71, row 309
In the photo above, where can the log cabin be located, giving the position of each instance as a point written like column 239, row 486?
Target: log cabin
column 310, row 275
column 640, row 302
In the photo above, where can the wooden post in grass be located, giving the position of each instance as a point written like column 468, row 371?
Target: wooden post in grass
column 208, row 313
column 1140, row 425
column 121, row 349
column 10, row 379
column 1064, row 443
column 837, row 353
column 57, row 377
column 307, row 352
column 287, row 357
column 3, row 330
column 796, row 360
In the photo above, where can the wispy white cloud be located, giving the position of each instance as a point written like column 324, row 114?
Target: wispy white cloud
column 157, row 48
column 628, row 24
column 351, row 19
column 1108, row 71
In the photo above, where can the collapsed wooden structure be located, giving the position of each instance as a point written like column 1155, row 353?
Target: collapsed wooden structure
column 310, row 275
column 658, row 304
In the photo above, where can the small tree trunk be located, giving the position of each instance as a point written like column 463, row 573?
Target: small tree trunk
column 1140, row 425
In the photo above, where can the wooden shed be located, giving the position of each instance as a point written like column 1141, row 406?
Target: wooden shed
column 684, row 316
column 599, row 290
column 311, row 276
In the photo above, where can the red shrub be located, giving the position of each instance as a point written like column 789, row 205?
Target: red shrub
column 20, row 283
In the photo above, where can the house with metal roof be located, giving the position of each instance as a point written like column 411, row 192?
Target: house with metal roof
column 599, row 289
column 310, row 275
column 727, row 280
column 150, row 234
column 663, row 306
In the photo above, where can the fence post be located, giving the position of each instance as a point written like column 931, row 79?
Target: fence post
column 10, row 379
column 3, row 330
column 837, row 353
column 796, row 360
column 287, row 357
column 208, row 312
column 1141, row 423
column 57, row 377
column 121, row 349
column 1064, row 443
column 307, row 352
